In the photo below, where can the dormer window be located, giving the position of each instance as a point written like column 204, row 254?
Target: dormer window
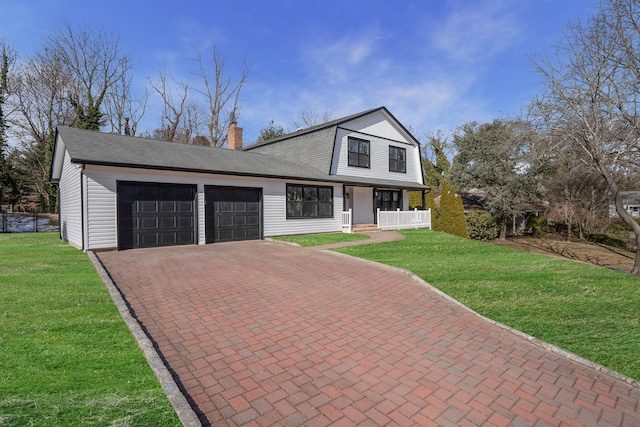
column 358, row 152
column 397, row 159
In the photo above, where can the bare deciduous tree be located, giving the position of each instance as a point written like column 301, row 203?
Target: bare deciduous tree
column 8, row 184
column 37, row 97
column 578, row 195
column 221, row 95
column 174, row 95
column 309, row 118
column 65, row 84
column 591, row 96
column 123, row 111
column 202, row 119
column 95, row 63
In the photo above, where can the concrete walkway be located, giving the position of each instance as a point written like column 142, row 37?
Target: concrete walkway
column 374, row 237
column 266, row 334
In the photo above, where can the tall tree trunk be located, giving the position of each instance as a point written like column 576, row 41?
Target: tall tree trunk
column 503, row 230
column 625, row 216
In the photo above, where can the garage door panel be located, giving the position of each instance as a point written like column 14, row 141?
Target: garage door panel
column 185, row 222
column 223, row 207
column 167, row 206
column 148, row 239
column 148, row 206
column 168, row 222
column 148, row 223
column 184, row 207
column 155, row 214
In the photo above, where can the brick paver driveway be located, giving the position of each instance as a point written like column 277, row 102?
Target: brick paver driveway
column 262, row 333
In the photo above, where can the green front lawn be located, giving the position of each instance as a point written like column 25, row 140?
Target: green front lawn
column 307, row 240
column 591, row 311
column 66, row 356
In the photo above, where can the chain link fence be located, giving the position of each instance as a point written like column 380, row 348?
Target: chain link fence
column 28, row 222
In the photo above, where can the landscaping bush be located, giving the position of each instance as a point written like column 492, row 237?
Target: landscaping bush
column 452, row 218
column 482, row 225
column 534, row 226
column 618, row 230
column 605, row 239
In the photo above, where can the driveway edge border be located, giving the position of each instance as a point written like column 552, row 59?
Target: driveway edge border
column 181, row 406
column 535, row 341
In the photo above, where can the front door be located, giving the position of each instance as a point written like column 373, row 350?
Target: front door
column 386, row 200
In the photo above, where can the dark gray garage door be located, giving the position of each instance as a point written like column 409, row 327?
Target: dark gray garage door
column 232, row 213
column 154, row 214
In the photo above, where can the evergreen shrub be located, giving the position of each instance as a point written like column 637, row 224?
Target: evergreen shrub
column 482, row 225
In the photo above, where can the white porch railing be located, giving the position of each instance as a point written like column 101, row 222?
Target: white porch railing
column 401, row 220
column 347, row 223
column 392, row 220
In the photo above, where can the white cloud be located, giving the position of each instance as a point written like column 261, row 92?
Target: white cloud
column 474, row 31
column 405, row 71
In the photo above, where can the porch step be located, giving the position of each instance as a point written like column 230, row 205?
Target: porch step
column 361, row 228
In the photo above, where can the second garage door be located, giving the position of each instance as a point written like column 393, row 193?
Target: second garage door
column 233, row 213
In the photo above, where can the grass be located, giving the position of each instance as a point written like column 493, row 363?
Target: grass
column 66, row 356
column 588, row 310
column 306, row 240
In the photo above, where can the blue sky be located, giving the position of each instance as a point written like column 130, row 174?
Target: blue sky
column 434, row 64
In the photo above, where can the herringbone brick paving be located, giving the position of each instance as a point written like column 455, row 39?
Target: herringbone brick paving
column 266, row 334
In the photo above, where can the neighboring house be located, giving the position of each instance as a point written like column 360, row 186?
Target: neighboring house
column 126, row 192
column 631, row 203
column 475, row 200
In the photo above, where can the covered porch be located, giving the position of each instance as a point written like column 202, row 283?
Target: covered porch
column 380, row 208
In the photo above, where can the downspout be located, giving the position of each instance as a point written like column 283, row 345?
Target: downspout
column 85, row 214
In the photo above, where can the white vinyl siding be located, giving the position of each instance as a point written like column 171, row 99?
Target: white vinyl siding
column 379, row 158
column 382, row 134
column 102, row 206
column 376, row 124
column 101, row 211
column 71, row 202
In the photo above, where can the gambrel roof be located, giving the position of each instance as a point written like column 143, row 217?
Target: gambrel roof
column 314, row 146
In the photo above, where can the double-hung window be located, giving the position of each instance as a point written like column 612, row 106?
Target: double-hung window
column 397, row 159
column 309, row 201
column 358, row 152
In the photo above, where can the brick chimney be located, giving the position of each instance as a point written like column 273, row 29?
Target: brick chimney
column 234, row 135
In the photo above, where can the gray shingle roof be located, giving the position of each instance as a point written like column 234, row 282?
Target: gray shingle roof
column 90, row 147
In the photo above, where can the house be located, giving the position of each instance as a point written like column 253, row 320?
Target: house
column 128, row 192
column 475, row 200
column 630, row 201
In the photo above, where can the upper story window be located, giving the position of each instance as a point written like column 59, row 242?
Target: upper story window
column 309, row 201
column 397, row 159
column 358, row 152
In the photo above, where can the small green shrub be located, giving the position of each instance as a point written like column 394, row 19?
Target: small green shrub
column 618, row 230
column 605, row 239
column 482, row 225
column 534, row 226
